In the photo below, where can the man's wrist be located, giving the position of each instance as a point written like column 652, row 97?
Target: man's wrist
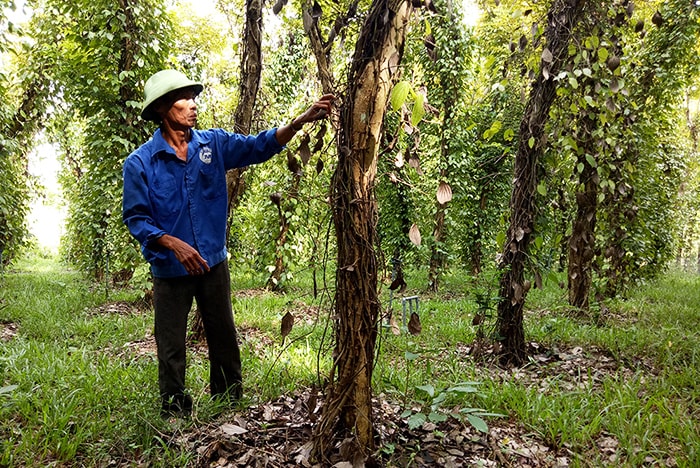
column 296, row 127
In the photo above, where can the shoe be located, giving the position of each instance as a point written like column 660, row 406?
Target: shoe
column 180, row 403
column 236, row 392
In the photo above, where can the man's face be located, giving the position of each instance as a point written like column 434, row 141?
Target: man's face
column 179, row 108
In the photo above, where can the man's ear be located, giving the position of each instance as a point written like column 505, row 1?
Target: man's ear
column 161, row 106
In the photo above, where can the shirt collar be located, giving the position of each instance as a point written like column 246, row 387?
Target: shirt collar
column 160, row 145
column 199, row 138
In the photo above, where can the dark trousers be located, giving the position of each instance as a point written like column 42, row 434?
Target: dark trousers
column 172, row 298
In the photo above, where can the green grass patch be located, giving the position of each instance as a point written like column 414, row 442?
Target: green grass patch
column 79, row 375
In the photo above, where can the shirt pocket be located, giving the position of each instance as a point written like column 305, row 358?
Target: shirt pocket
column 164, row 193
column 213, row 181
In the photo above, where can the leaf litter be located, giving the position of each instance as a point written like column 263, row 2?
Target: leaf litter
column 8, row 330
column 278, row 433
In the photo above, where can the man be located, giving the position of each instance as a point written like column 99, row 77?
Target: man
column 175, row 205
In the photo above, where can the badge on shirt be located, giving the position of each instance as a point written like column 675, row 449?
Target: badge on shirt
column 205, row 155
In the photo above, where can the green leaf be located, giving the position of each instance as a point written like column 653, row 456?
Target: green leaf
column 438, row 400
column 417, row 420
column 411, row 356
column 531, row 142
column 469, row 383
column 495, row 128
column 8, row 389
column 399, row 94
column 429, row 389
column 437, row 417
column 463, row 389
column 418, row 110
column 591, row 160
column 500, row 238
column 542, row 189
column 490, row 415
column 539, row 241
column 478, row 423
column 388, row 448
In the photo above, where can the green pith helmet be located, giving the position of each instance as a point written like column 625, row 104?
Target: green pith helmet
column 161, row 84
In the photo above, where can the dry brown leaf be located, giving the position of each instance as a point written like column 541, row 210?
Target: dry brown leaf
column 414, row 162
column 538, row 280
column 394, row 62
column 343, row 464
column 304, row 151
column 292, row 164
column 277, row 7
column 395, row 329
column 414, row 234
column 398, row 282
column 414, row 326
column 517, row 293
column 287, row 324
column 269, row 412
column 444, row 193
column 318, row 146
column 232, row 429
column 547, row 55
column 304, row 452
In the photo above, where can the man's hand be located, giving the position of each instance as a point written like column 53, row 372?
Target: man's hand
column 318, row 110
column 186, row 254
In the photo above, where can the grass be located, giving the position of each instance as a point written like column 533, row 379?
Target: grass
column 75, row 392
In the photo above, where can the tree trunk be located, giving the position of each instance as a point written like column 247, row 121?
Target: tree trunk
column 347, row 412
column 476, row 251
column 513, row 288
column 437, row 252
column 582, row 240
column 673, row 45
column 563, row 224
column 621, row 210
column 251, row 69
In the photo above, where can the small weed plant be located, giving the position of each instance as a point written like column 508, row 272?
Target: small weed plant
column 433, row 407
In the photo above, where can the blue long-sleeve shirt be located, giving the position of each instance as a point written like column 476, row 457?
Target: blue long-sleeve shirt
column 186, row 199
